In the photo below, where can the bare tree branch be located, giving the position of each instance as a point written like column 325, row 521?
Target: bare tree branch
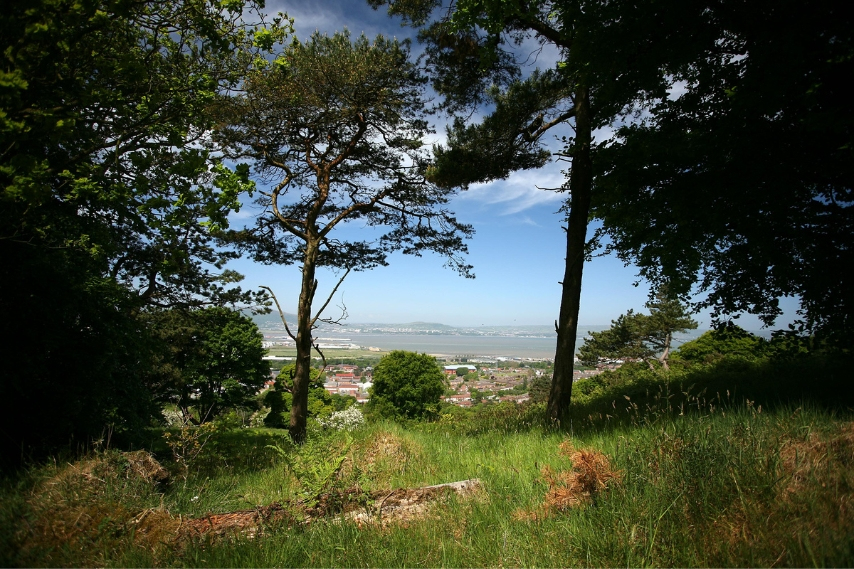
column 281, row 313
column 325, row 304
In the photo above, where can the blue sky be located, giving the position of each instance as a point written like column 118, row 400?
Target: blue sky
column 517, row 252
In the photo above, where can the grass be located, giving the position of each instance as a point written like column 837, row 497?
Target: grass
column 331, row 354
column 692, row 480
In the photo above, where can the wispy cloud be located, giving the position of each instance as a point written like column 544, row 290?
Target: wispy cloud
column 526, row 220
column 519, row 192
column 334, row 15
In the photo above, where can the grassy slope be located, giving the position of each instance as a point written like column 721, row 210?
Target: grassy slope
column 704, row 481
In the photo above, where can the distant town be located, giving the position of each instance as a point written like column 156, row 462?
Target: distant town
column 468, row 384
column 472, row 378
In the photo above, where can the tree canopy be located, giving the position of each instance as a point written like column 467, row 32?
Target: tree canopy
column 280, row 398
column 109, row 198
column 406, row 385
column 612, row 56
column 739, row 184
column 639, row 337
column 727, row 341
column 209, row 360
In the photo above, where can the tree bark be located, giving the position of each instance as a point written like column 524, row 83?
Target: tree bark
column 302, row 371
column 580, row 187
column 664, row 355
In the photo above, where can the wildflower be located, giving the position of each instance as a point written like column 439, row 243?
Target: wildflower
column 349, row 419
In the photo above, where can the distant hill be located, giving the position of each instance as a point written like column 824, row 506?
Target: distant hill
column 414, row 326
column 273, row 320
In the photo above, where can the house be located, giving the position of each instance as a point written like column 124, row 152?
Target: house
column 461, row 399
column 452, row 369
column 515, row 398
column 348, row 389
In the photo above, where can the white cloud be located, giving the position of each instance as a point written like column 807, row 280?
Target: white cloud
column 519, row 192
column 329, row 16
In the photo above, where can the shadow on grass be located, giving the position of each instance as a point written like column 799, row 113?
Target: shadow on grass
column 238, row 450
column 635, row 395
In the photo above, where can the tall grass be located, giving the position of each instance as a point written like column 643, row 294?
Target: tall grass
column 703, row 479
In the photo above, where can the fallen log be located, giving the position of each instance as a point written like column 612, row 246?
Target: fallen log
column 379, row 507
column 406, row 503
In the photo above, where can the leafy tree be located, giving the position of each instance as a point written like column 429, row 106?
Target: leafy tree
column 539, row 389
column 108, row 200
column 639, row 336
column 280, row 398
column 406, row 385
column 461, row 371
column 725, row 341
column 612, row 56
column 212, row 360
column 105, row 112
column 336, row 126
column 342, row 402
column 740, row 183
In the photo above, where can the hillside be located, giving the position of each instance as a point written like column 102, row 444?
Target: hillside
column 703, row 467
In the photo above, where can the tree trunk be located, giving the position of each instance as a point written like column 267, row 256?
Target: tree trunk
column 302, row 371
column 663, row 359
column 580, row 187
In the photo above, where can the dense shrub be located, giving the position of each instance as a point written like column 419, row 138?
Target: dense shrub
column 407, row 385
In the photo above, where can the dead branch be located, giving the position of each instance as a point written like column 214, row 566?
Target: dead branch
column 331, row 294
column 281, row 313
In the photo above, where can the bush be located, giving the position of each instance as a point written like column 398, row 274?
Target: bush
column 406, row 386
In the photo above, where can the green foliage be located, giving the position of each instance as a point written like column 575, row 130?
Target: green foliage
column 406, row 385
column 600, row 77
column 634, row 393
column 187, row 442
column 539, row 389
column 316, row 464
column 210, row 360
column 110, row 200
column 321, row 123
column 280, row 398
column 741, row 184
column 501, row 418
column 337, row 125
column 341, row 402
column 729, row 486
column 461, row 371
column 725, row 342
column 639, row 336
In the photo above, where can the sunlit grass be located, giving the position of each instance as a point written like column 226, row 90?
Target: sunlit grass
column 703, row 480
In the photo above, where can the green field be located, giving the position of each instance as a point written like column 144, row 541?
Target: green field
column 331, row 355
